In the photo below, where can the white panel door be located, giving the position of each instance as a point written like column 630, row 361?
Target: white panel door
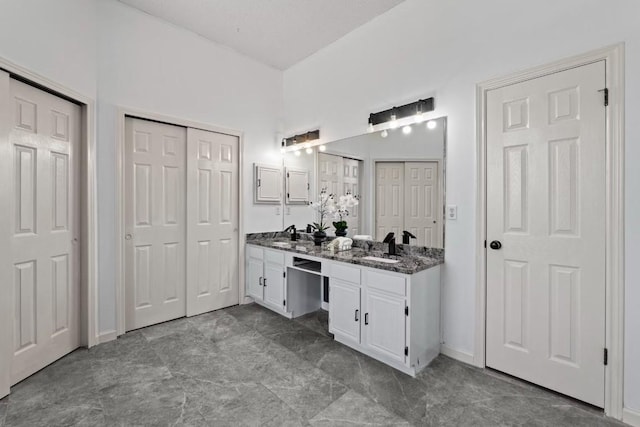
column 351, row 184
column 212, row 206
column 423, row 210
column 389, row 199
column 546, row 205
column 329, row 173
column 344, row 309
column 384, row 324
column 41, row 208
column 154, row 222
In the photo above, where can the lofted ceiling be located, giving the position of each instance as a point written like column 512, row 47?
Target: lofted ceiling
column 278, row 33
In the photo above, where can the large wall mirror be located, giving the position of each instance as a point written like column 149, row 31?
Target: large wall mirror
column 399, row 176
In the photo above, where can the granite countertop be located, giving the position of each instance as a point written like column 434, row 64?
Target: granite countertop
column 412, row 259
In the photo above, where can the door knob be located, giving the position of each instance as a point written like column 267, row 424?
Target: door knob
column 127, row 237
column 495, row 245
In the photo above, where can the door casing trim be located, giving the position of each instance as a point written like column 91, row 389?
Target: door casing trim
column 614, row 279
column 122, row 113
column 88, row 221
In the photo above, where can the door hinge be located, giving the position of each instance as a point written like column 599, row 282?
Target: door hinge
column 308, row 187
column 287, row 174
column 284, row 274
column 406, row 311
column 606, row 96
column 259, row 182
column 606, row 357
column 284, row 302
column 287, row 195
column 406, row 351
column 485, row 244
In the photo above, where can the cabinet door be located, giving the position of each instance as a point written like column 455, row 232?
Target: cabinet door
column 254, row 278
column 344, row 309
column 274, row 283
column 268, row 184
column 297, row 184
column 384, row 325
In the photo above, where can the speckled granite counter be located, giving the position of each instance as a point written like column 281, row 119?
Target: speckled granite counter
column 412, row 258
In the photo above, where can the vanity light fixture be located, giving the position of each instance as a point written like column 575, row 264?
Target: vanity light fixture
column 406, row 129
column 393, row 116
column 370, row 128
column 309, row 150
column 297, row 153
column 384, row 133
column 394, row 121
column 299, row 140
column 432, row 124
column 322, row 148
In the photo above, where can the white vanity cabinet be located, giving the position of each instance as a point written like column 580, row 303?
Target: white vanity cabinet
column 265, row 281
column 392, row 317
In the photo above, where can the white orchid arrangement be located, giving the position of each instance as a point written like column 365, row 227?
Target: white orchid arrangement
column 325, row 206
column 342, row 207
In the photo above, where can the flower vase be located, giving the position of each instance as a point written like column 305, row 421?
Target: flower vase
column 318, row 237
column 341, row 232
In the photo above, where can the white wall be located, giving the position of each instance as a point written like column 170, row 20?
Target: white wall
column 441, row 48
column 35, row 34
column 149, row 65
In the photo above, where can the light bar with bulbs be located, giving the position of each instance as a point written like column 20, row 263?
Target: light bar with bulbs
column 396, row 113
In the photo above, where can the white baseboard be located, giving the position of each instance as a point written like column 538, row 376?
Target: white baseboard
column 631, row 417
column 106, row 337
column 457, row 354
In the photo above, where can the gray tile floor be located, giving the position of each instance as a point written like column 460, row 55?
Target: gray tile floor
column 248, row 366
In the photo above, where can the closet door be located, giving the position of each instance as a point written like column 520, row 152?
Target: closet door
column 423, row 211
column 40, row 207
column 213, row 207
column 155, row 226
column 351, row 184
column 330, row 173
column 389, row 199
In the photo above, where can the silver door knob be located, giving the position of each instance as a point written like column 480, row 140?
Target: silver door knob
column 127, row 237
column 74, row 240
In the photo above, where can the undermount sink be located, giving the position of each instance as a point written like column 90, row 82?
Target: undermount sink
column 385, row 260
column 281, row 244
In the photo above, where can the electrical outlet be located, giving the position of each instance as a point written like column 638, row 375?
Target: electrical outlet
column 452, row 212
column 277, row 210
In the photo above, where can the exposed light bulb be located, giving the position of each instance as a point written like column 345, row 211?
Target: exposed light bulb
column 307, row 145
column 370, row 127
column 322, row 148
column 384, row 133
column 432, row 124
column 309, row 150
column 394, row 122
column 419, row 118
column 283, row 150
column 406, row 130
column 297, row 153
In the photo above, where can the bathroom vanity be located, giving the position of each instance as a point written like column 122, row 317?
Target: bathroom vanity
column 386, row 308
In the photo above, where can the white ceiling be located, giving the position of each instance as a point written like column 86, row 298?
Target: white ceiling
column 278, row 33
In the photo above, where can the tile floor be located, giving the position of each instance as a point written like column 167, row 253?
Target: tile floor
column 248, row 366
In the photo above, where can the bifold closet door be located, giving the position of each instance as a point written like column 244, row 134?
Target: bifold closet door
column 155, row 224
column 213, row 220
column 330, row 173
column 41, row 226
column 423, row 210
column 389, row 199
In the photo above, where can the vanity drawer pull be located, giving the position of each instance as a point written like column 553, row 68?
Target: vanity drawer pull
column 260, row 281
column 356, row 319
column 366, row 318
column 264, row 282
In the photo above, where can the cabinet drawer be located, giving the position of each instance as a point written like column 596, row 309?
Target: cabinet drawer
column 254, row 252
column 345, row 272
column 275, row 257
column 385, row 282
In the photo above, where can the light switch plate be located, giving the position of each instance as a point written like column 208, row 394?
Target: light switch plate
column 452, row 212
column 277, row 210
